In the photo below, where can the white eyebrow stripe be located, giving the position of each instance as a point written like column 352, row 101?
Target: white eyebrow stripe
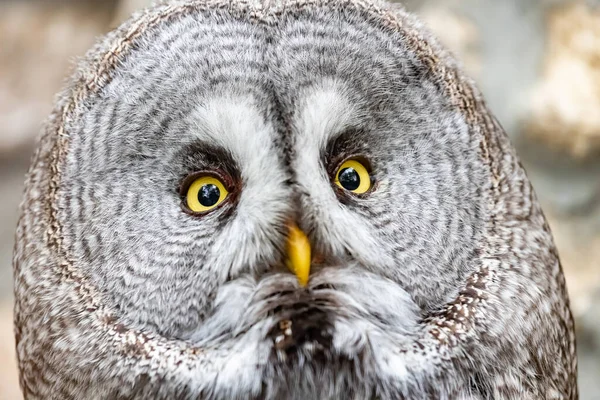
column 236, row 124
column 324, row 112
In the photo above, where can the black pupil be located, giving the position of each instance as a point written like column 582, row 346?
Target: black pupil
column 349, row 179
column 209, row 195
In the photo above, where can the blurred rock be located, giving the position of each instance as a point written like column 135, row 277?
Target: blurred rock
column 126, row 7
column 12, row 175
column 458, row 33
column 9, row 380
column 566, row 103
column 579, row 246
column 39, row 43
column 588, row 343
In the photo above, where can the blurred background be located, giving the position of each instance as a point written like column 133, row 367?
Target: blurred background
column 537, row 62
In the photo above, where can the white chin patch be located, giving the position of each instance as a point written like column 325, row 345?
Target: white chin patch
column 363, row 309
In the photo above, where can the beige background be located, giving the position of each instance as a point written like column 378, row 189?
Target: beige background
column 537, row 61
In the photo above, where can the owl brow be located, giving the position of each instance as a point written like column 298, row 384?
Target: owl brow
column 348, row 143
column 202, row 156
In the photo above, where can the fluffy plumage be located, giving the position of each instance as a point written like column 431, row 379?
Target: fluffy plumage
column 443, row 282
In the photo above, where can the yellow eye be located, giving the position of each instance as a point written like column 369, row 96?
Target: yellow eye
column 205, row 193
column 354, row 177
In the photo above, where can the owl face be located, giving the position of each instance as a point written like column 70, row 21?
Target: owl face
column 216, row 135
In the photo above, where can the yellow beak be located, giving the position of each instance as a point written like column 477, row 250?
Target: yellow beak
column 298, row 254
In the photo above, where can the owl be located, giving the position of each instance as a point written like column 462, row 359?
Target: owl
column 283, row 200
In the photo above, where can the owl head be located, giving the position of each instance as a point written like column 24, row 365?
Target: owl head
column 281, row 200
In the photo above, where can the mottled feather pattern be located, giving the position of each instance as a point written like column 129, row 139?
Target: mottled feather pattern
column 443, row 283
